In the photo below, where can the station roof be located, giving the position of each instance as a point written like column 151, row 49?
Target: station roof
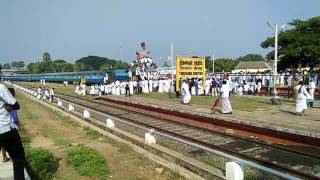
column 255, row 65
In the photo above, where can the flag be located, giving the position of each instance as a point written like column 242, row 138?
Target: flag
column 143, row 45
column 138, row 55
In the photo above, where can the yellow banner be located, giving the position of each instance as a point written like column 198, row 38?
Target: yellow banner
column 187, row 67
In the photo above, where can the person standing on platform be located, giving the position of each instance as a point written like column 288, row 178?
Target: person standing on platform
column 127, row 89
column 9, row 136
column 312, row 88
column 117, row 87
column 196, row 85
column 51, row 95
column 214, row 85
column 225, row 102
column 185, row 92
column 102, row 89
column 39, row 96
column 150, row 85
column 301, row 99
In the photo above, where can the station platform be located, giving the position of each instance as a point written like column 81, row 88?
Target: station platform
column 6, row 170
column 280, row 118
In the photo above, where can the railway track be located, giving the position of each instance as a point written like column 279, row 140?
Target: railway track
column 295, row 162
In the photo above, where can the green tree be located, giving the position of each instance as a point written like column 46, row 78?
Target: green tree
column 94, row 62
column 46, row 57
column 224, row 65
column 81, row 67
column 60, row 61
column 33, row 68
column 298, row 46
column 121, row 65
column 251, row 57
column 221, row 64
column 20, row 64
column 17, row 64
column 6, row 66
column 105, row 67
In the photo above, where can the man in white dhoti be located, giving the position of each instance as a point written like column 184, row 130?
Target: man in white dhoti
column 83, row 89
column 240, row 91
column 166, row 85
column 193, row 90
column 135, row 84
column 131, row 87
column 301, row 99
column 185, row 92
column 108, row 89
column 200, row 88
column 160, row 86
column 150, row 85
column 155, row 85
column 51, row 95
column 259, row 87
column 312, row 88
column 207, row 88
column 117, row 87
column 77, row 90
column 246, row 88
column 225, row 102
column 92, row 90
column 145, row 86
column 113, row 88
column 123, row 88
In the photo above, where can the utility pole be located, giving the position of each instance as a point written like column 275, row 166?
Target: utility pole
column 212, row 63
column 275, row 67
column 121, row 53
column 275, row 60
column 172, row 88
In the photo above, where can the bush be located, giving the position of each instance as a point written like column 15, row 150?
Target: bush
column 87, row 162
column 41, row 164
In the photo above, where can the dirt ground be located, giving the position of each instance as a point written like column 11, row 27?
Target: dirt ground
column 49, row 130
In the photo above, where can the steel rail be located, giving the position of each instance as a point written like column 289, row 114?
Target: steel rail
column 257, row 163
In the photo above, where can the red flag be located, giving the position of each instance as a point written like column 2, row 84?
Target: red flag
column 138, row 55
column 143, row 45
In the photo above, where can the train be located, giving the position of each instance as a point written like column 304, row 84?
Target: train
column 88, row 77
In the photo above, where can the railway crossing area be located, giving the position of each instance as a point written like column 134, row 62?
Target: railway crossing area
column 281, row 118
column 249, row 129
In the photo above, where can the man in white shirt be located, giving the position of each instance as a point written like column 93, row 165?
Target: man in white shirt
column 312, row 87
column 185, row 92
column 225, row 102
column 51, row 95
column 9, row 136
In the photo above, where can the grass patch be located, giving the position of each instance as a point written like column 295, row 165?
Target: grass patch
column 88, row 162
column 41, row 164
column 242, row 103
column 91, row 133
column 62, row 141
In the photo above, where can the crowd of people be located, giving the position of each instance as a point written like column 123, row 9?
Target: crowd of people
column 45, row 94
column 221, row 85
column 125, row 87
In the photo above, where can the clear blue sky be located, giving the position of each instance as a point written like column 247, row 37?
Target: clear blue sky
column 71, row 29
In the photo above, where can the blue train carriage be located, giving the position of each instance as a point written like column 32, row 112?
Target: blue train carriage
column 119, row 75
column 89, row 77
